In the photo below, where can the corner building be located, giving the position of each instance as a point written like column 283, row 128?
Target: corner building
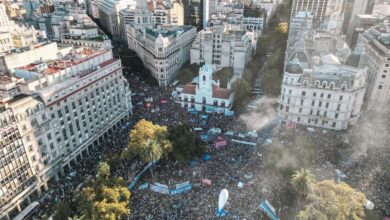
column 62, row 108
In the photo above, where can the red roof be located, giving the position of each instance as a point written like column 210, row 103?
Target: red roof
column 221, row 93
column 189, row 89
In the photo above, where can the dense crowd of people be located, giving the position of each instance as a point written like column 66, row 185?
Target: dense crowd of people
column 236, row 167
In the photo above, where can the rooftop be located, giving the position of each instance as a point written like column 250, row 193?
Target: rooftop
column 168, row 31
column 24, row 49
column 75, row 57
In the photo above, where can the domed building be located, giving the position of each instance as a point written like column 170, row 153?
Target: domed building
column 328, row 94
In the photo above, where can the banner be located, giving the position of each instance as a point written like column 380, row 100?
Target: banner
column 229, row 113
column 182, row 184
column 180, row 190
column 210, row 109
column 159, row 189
column 267, row 209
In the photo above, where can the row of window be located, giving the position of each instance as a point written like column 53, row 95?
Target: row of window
column 315, row 121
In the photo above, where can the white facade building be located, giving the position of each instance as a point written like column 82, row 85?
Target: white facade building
column 163, row 51
column 327, row 96
column 302, row 20
column 43, row 51
column 61, row 109
column 93, row 8
column 206, row 95
column 224, row 48
column 377, row 51
column 109, row 14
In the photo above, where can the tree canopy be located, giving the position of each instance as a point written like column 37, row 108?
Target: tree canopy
column 149, row 141
column 331, row 200
column 242, row 90
column 283, row 27
column 103, row 198
column 302, row 181
column 63, row 211
column 186, row 144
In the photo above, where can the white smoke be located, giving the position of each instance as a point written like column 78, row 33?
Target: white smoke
column 260, row 113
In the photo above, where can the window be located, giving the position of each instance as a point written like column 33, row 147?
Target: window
column 288, row 101
column 327, row 105
column 383, row 76
column 287, row 108
column 341, row 98
column 289, row 91
column 322, row 95
column 334, row 124
column 336, row 115
column 314, row 94
column 380, row 87
column 303, row 93
column 311, row 111
column 325, row 113
column 329, row 95
column 312, row 103
column 318, row 112
column 298, row 119
column 338, row 107
column 319, row 104
column 300, row 110
column 301, row 101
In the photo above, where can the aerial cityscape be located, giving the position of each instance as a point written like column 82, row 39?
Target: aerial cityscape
column 194, row 109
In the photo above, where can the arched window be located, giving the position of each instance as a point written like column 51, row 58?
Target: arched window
column 204, row 100
column 204, row 78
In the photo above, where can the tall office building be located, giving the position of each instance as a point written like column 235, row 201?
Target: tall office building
column 321, row 9
column 109, row 15
column 378, row 53
column 206, row 12
column 193, row 13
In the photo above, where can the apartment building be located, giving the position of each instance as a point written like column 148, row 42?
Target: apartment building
column 224, row 48
column 109, row 15
column 62, row 108
column 163, row 50
column 377, row 51
column 22, row 56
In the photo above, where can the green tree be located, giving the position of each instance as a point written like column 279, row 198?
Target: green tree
column 76, row 218
column 149, row 141
column 224, row 76
column 187, row 73
column 329, row 200
column 104, row 200
column 302, row 181
column 186, row 144
column 63, row 211
column 103, row 171
column 270, row 82
column 283, row 27
column 242, row 90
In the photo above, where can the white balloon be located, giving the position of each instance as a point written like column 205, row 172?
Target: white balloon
column 369, row 205
column 223, row 197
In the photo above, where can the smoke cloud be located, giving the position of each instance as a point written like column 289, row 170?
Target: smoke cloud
column 260, row 113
